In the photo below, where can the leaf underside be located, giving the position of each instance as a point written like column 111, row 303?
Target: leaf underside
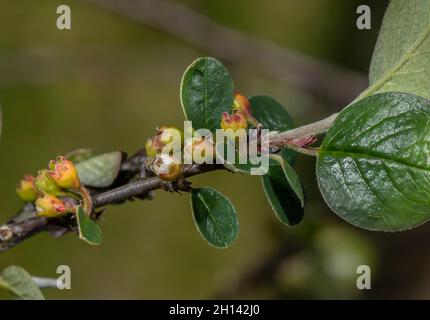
column 100, row 171
column 16, row 280
column 401, row 59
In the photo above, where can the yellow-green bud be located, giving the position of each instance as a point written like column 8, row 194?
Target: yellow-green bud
column 164, row 136
column 64, row 174
column 50, row 206
column 26, row 189
column 242, row 104
column 150, row 148
column 46, row 184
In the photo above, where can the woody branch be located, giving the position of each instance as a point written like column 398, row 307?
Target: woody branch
column 26, row 224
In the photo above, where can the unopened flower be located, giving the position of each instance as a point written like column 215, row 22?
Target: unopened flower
column 64, row 174
column 242, row 104
column 50, row 206
column 234, row 121
column 165, row 135
column 166, row 167
column 150, row 147
column 26, row 189
column 46, row 184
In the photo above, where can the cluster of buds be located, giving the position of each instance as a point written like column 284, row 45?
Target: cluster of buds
column 241, row 114
column 234, row 121
column 49, row 185
column 27, row 189
column 164, row 163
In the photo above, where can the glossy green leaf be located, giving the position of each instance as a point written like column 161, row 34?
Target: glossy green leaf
column 215, row 217
column 206, row 92
column 100, row 171
column 273, row 116
column 401, row 59
column 283, row 201
column 373, row 168
column 18, row 282
column 89, row 231
column 281, row 197
column 292, row 177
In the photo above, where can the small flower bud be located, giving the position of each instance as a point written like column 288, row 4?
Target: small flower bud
column 64, row 174
column 27, row 189
column 150, row 148
column 50, row 206
column 167, row 133
column 242, row 104
column 235, row 121
column 46, row 184
column 164, row 136
column 166, row 167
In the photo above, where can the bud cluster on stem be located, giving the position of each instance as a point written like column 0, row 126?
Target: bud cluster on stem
column 61, row 179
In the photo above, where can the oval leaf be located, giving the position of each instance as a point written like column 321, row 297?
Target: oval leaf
column 287, row 207
column 273, row 116
column 401, row 59
column 373, row 168
column 89, row 231
column 284, row 203
column 17, row 281
column 215, row 217
column 206, row 92
column 292, row 178
column 100, row 171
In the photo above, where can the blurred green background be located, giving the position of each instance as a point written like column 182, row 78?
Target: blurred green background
column 108, row 82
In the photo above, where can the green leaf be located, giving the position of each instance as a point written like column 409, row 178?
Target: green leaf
column 17, row 281
column 283, row 201
column 206, row 92
column 273, row 116
column 287, row 206
column 89, row 231
column 292, row 178
column 373, row 166
column 100, row 171
column 401, row 59
column 215, row 217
